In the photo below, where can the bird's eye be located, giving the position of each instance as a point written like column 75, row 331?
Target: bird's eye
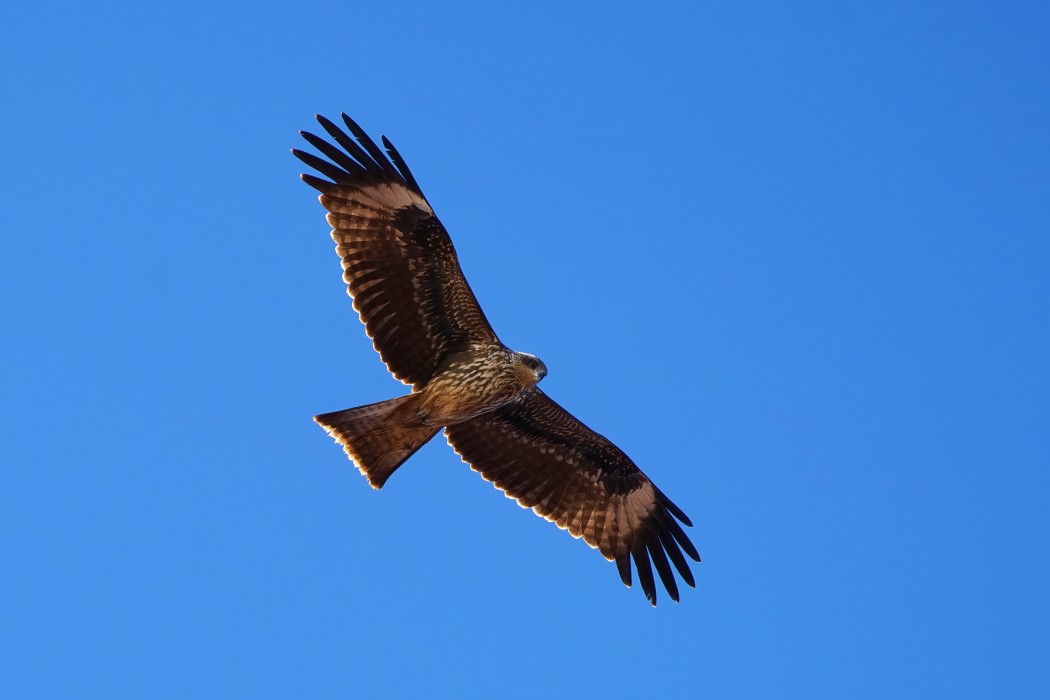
column 531, row 362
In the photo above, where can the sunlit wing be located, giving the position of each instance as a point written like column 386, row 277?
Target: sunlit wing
column 538, row 453
column 399, row 264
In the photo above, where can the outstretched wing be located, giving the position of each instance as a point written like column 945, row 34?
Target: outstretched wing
column 538, row 453
column 398, row 261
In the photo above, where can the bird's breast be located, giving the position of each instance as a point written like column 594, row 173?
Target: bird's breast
column 470, row 386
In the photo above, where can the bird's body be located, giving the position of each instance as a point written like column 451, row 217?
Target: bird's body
column 403, row 273
column 475, row 382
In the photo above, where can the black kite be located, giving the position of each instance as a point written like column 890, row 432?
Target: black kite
column 404, row 277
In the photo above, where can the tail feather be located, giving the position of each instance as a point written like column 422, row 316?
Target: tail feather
column 379, row 437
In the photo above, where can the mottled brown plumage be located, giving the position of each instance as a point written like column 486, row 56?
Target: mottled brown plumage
column 402, row 271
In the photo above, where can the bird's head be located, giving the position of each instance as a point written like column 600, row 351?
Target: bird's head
column 533, row 364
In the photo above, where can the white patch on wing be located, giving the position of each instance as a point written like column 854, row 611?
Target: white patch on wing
column 389, row 196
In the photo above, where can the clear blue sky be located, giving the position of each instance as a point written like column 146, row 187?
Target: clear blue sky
column 794, row 259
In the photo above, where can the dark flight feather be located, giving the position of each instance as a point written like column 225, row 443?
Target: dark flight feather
column 336, row 155
column 402, row 166
column 369, row 145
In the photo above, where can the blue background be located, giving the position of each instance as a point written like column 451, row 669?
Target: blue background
column 792, row 258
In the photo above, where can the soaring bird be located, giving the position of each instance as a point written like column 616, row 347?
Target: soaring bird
column 407, row 286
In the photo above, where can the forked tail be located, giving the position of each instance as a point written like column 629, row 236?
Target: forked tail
column 379, row 437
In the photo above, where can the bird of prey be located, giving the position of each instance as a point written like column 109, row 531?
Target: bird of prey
column 405, row 280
